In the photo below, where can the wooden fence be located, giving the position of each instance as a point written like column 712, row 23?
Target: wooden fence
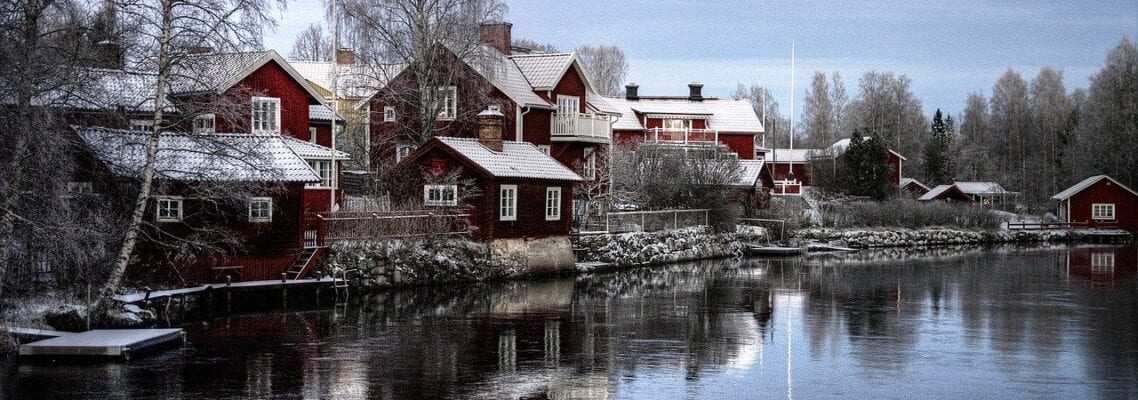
column 340, row 226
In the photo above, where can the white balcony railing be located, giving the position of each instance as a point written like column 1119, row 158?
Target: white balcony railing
column 682, row 136
column 581, row 127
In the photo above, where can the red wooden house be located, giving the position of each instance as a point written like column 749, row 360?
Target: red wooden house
column 208, row 190
column 545, row 100
column 525, row 198
column 788, row 170
column 1099, row 201
column 692, row 120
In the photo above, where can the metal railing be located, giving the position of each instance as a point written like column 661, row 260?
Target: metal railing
column 682, row 136
column 582, row 126
column 650, row 221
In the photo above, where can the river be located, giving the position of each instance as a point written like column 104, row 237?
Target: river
column 961, row 322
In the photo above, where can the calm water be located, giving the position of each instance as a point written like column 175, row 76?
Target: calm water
column 956, row 323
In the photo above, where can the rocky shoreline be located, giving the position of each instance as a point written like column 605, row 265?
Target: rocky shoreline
column 871, row 238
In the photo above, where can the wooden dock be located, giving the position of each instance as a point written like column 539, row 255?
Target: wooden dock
column 115, row 343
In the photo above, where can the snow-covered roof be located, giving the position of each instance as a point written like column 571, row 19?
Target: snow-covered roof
column 544, row 70
column 200, row 157
column 724, row 115
column 516, row 160
column 790, row 155
column 934, row 192
column 749, row 173
column 909, row 181
column 505, row 75
column 104, row 89
column 840, row 147
column 1086, row 183
column 320, row 112
column 981, row 188
column 217, row 72
column 601, row 104
column 309, row 150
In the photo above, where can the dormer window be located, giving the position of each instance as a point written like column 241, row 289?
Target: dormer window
column 203, row 123
column 266, row 115
column 446, row 102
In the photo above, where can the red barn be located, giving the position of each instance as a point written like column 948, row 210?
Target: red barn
column 1099, row 201
column 525, row 198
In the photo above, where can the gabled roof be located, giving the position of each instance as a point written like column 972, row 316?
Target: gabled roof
column 544, row 70
column 320, row 112
column 355, row 81
column 309, row 150
column 504, row 74
column 1086, row 183
column 724, row 115
column 217, row 72
column 516, row 160
column 105, row 89
column 200, row 157
column 911, row 181
column 943, row 191
column 842, row 145
column 981, row 188
column 749, row 172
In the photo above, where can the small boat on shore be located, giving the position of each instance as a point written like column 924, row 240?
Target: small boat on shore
column 772, row 250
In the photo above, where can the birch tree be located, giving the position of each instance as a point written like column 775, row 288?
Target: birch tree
column 312, row 44
column 818, row 113
column 1051, row 122
column 886, row 106
column 1011, row 123
column 767, row 109
column 975, row 140
column 606, row 67
column 169, row 30
column 1112, row 115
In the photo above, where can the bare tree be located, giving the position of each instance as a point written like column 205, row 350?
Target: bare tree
column 839, row 100
column 1112, row 117
column 975, row 161
column 662, row 177
column 766, row 108
column 1011, row 124
column 1051, row 121
column 436, row 46
column 818, row 113
column 606, row 67
column 887, row 107
column 170, row 30
column 311, row 45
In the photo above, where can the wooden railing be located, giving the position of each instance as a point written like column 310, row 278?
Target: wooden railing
column 1039, row 226
column 589, row 127
column 392, row 225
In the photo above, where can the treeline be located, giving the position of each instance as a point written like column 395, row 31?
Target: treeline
column 1034, row 137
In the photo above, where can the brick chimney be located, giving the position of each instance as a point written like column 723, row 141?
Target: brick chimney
column 630, row 91
column 497, row 35
column 108, row 54
column 490, row 129
column 345, row 56
column 695, row 89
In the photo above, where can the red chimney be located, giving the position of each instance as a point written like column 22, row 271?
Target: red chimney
column 497, row 35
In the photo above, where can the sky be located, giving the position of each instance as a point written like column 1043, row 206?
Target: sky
column 948, row 49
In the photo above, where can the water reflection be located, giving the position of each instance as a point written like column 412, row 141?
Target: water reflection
column 952, row 322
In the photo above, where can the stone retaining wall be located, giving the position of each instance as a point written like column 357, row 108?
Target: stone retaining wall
column 862, row 238
column 640, row 248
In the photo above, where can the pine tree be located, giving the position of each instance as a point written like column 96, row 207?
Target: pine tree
column 867, row 163
column 939, row 165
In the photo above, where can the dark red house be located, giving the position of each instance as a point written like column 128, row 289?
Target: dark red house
column 1099, row 201
column 525, row 195
column 209, row 189
column 686, row 120
column 788, row 170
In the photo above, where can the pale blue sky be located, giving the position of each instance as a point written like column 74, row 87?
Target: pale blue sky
column 948, row 48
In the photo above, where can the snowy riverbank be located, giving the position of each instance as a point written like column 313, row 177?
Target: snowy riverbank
column 900, row 237
column 642, row 248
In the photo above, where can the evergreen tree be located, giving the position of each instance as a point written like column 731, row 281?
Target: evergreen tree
column 867, row 163
column 939, row 163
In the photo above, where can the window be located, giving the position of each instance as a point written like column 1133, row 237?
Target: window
column 142, row 125
column 388, row 114
column 508, row 203
column 402, row 150
column 590, row 164
column 678, row 124
column 266, row 115
column 203, row 123
column 552, row 203
column 446, row 102
column 80, row 187
column 1102, row 262
column 169, row 209
column 440, row 195
column 544, row 148
column 261, row 209
column 324, row 169
column 312, row 132
column 1102, row 211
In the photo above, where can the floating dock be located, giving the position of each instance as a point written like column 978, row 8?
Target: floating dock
column 115, row 343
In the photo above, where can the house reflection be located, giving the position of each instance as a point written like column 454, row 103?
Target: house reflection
column 1102, row 263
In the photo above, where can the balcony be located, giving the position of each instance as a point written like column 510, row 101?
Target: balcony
column 682, row 136
column 575, row 127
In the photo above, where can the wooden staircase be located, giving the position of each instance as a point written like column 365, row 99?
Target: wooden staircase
column 302, row 263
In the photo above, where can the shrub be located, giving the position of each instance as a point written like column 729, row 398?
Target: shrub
column 907, row 214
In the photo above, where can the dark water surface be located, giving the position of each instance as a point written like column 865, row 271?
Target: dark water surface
column 955, row 323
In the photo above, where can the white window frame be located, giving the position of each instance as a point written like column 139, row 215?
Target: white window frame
column 403, row 150
column 388, row 114
column 265, row 115
column 508, row 203
column 590, row 167
column 323, row 168
column 545, row 148
column 553, row 203
column 205, row 123
column 1102, row 261
column 80, row 187
column 163, row 205
column 142, row 125
column 440, row 195
column 671, row 124
column 312, row 133
column 260, row 209
column 446, row 103
column 1102, row 211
